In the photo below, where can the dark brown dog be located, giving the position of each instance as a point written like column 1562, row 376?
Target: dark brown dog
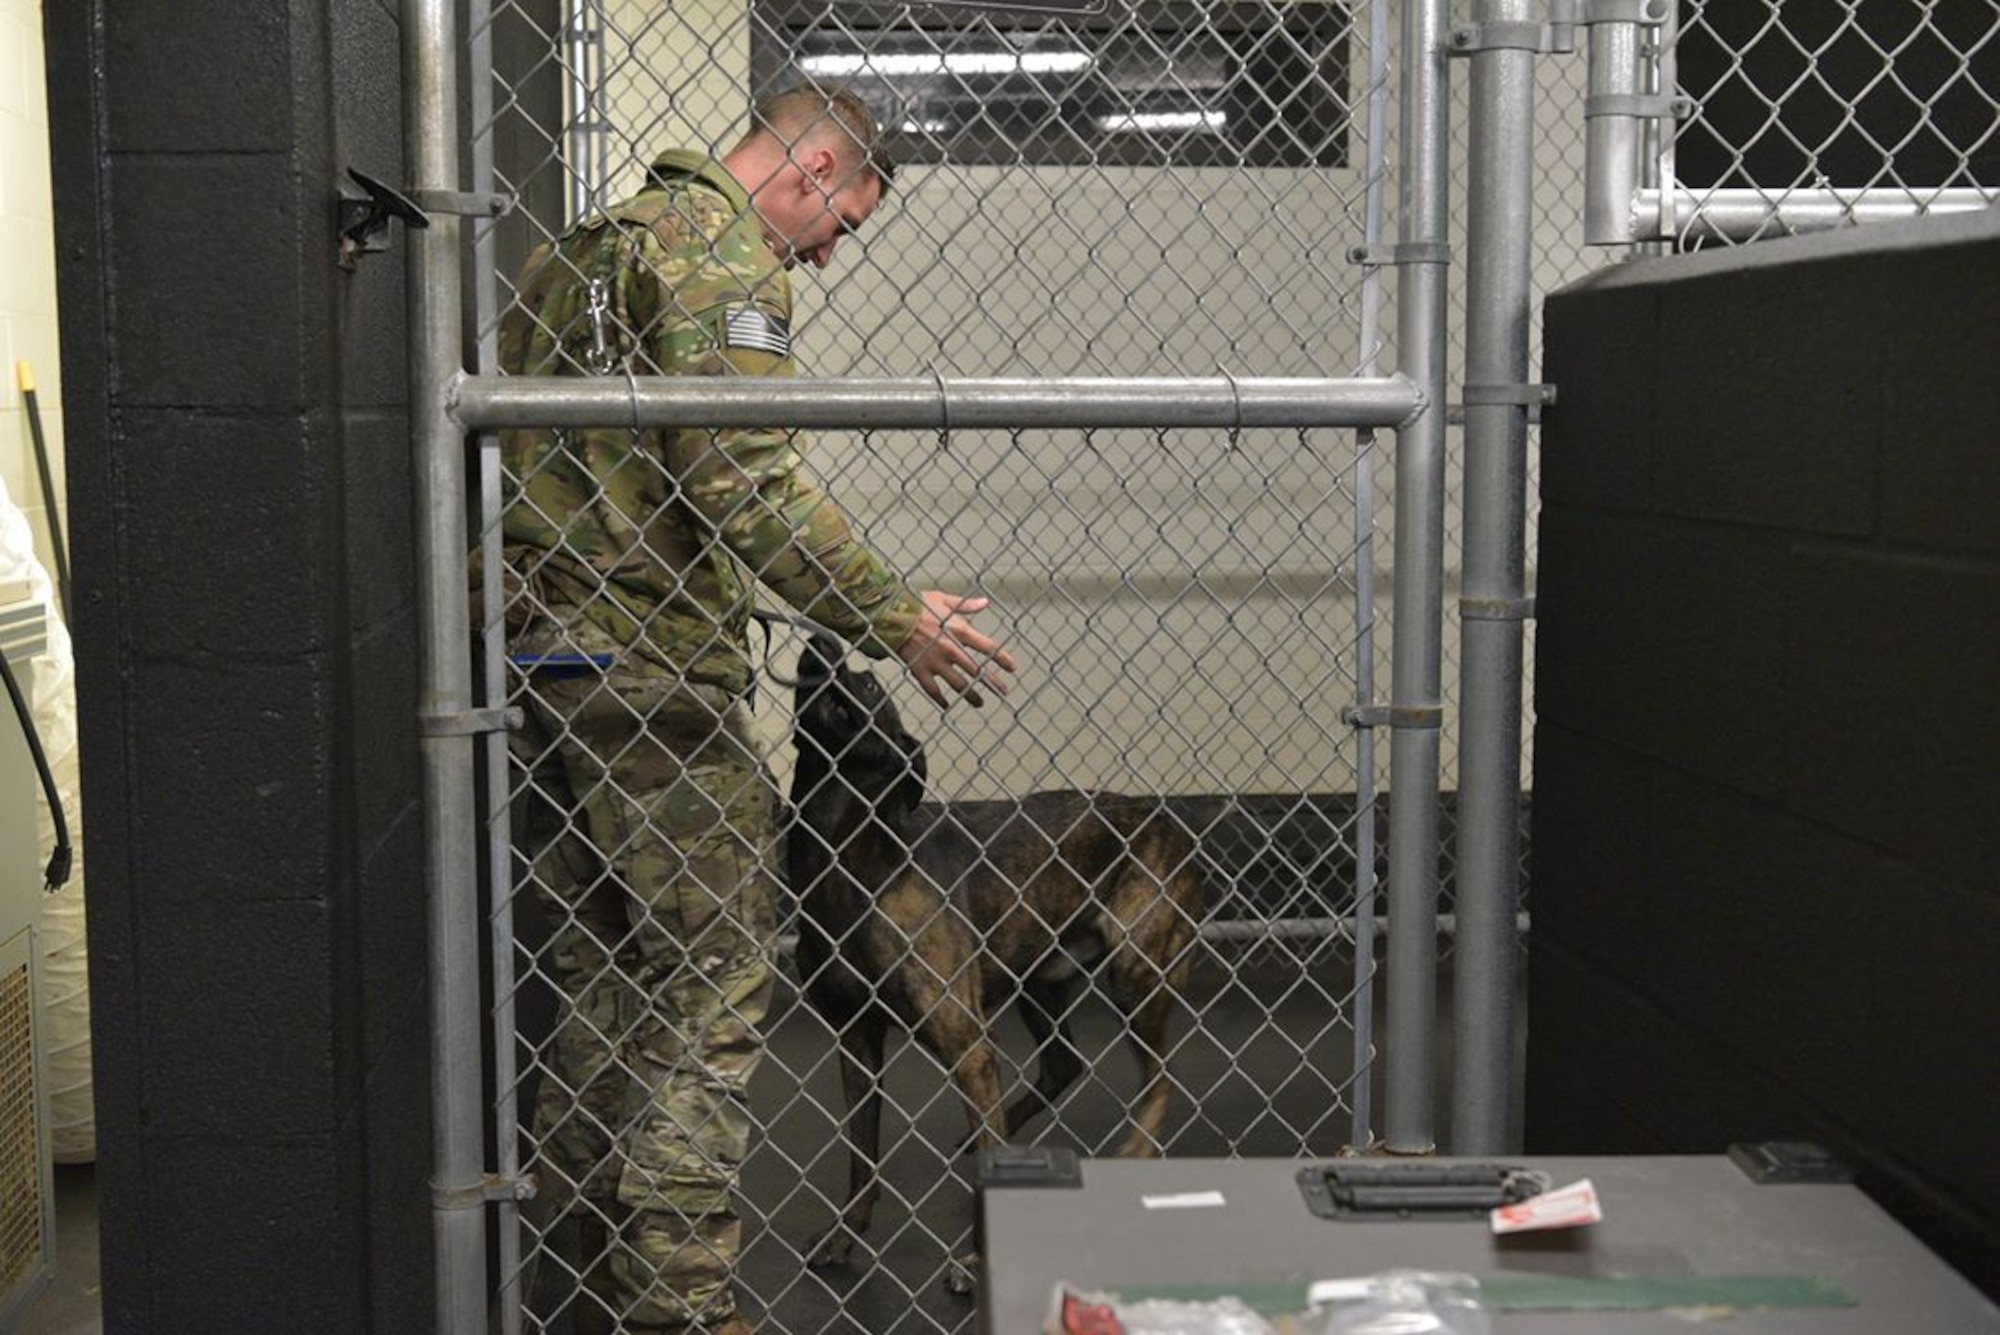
column 935, row 918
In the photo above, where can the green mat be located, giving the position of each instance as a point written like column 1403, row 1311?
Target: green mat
column 1544, row 1293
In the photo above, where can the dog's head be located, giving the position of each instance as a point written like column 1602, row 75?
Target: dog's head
column 845, row 724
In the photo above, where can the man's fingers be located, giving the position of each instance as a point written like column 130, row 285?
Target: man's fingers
column 955, row 657
column 982, row 644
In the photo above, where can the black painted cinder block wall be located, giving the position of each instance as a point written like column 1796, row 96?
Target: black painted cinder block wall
column 1768, row 715
column 241, row 522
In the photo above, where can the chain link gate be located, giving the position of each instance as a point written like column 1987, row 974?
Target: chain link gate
column 1224, row 567
column 1196, row 603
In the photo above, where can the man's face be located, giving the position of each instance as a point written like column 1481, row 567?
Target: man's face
column 812, row 203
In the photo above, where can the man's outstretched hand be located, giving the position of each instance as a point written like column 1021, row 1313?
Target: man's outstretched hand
column 946, row 653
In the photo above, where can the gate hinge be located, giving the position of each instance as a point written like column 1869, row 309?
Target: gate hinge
column 488, row 1189
column 1496, row 609
column 1646, row 106
column 1531, row 397
column 1470, row 39
column 1408, row 252
column 469, row 723
column 1651, row 12
column 1395, row 716
column 464, row 205
column 1484, row 396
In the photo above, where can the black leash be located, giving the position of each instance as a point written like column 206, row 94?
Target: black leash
column 59, row 860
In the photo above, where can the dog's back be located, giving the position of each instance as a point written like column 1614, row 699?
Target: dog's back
column 1052, row 882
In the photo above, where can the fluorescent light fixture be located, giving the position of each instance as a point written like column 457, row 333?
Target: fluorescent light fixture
column 926, row 127
column 1164, row 120
column 895, row 63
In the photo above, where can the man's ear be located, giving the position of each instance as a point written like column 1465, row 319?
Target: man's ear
column 817, row 166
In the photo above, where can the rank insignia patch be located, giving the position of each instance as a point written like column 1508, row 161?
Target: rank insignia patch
column 753, row 327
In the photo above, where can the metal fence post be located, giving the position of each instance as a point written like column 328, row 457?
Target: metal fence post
column 1499, row 228
column 458, row 1186
column 493, row 750
column 1416, row 638
column 1615, row 111
column 1365, row 796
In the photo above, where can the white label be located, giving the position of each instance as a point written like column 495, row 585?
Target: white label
column 1184, row 1200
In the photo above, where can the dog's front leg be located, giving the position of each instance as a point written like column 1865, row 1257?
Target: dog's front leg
column 861, row 1044
column 954, row 1029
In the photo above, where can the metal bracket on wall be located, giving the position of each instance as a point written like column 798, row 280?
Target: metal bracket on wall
column 364, row 219
column 1393, row 716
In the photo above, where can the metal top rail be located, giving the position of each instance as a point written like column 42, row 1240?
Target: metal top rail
column 480, row 402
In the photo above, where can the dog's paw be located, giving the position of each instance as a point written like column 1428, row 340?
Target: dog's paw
column 961, row 1276
column 834, row 1248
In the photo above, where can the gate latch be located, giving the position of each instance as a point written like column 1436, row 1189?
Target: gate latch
column 364, row 219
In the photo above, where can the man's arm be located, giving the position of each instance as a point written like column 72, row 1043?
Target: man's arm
column 723, row 308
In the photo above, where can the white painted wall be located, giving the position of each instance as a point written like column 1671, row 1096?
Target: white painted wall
column 27, row 268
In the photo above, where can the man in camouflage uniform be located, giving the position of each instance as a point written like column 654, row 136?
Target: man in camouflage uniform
column 650, row 820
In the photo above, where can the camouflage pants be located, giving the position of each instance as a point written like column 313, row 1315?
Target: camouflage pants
column 648, row 827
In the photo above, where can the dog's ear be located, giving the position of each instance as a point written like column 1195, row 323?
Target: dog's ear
column 821, row 658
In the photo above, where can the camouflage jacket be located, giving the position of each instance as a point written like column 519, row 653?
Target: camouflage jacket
column 653, row 536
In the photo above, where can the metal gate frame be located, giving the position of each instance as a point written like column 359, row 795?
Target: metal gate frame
column 446, row 405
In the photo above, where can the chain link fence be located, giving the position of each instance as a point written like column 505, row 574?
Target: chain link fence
column 1776, row 119
column 1101, row 189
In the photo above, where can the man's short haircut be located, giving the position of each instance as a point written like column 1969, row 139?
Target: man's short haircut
column 794, row 115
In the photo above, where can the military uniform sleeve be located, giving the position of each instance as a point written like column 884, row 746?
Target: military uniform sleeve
column 747, row 484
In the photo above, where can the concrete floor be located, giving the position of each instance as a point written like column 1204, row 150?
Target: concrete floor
column 1261, row 1074
column 70, row 1305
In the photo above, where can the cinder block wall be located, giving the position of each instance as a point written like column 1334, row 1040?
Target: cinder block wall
column 1768, row 703
column 241, row 522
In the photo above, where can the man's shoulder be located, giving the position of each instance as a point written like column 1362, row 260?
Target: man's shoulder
column 691, row 234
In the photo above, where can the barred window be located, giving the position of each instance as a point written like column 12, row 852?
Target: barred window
column 1143, row 83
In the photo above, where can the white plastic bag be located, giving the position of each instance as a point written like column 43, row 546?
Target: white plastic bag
column 65, row 973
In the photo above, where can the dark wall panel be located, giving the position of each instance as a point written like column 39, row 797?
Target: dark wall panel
column 1751, row 433
column 240, row 493
column 1768, row 700
column 216, row 321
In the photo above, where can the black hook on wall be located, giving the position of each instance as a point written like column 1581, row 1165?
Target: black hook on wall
column 364, row 219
